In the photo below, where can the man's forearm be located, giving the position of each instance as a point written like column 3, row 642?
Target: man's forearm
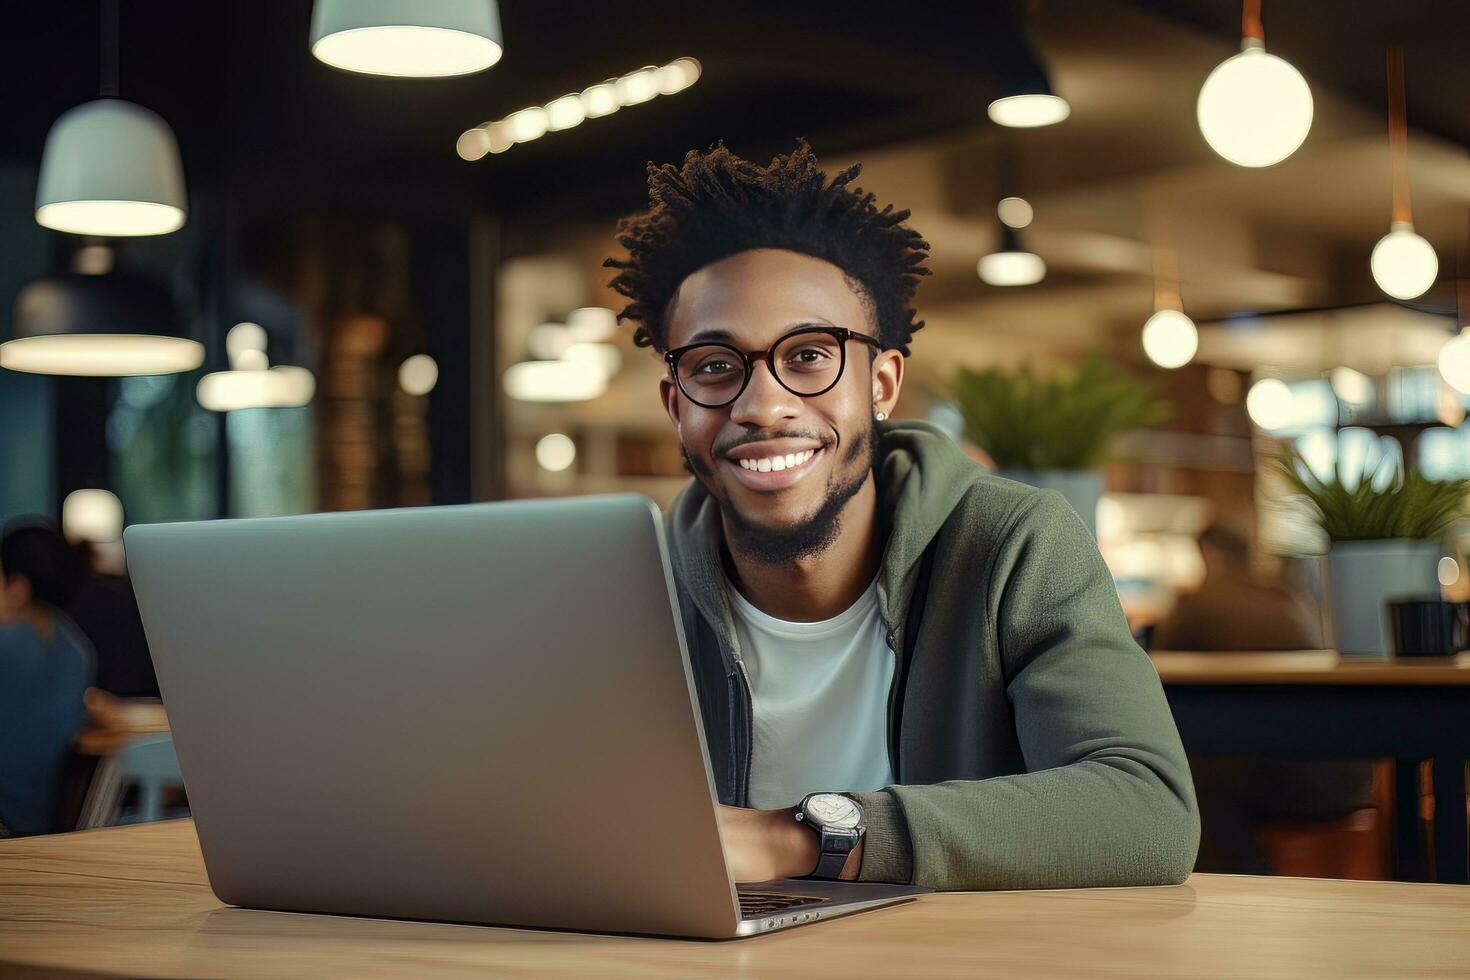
column 761, row 845
column 1092, row 823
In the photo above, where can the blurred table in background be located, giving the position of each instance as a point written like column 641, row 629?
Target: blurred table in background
column 91, row 788
column 134, row 901
column 118, row 721
column 1316, row 704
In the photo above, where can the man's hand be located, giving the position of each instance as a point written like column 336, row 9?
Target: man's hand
column 761, row 845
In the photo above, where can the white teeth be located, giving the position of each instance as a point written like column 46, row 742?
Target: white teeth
column 778, row 463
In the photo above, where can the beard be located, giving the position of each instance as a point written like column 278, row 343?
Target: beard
column 813, row 534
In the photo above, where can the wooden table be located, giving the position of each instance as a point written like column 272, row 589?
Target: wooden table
column 133, row 901
column 1313, row 703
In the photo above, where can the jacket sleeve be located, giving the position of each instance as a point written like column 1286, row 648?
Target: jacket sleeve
column 1106, row 798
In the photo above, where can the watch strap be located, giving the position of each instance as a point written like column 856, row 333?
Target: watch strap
column 835, row 848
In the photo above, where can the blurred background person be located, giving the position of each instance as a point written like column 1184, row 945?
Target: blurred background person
column 45, row 667
column 106, row 610
column 1235, row 610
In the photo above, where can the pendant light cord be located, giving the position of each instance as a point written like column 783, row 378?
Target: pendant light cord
column 1250, row 21
column 109, row 49
column 1398, row 135
column 1462, row 283
column 1164, row 257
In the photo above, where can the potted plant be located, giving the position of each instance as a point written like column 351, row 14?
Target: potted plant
column 1055, row 431
column 1383, row 532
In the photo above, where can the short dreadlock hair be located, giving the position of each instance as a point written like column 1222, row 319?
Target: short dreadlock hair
column 717, row 205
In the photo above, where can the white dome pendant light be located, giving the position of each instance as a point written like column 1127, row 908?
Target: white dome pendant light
column 1404, row 264
column 407, row 38
column 1011, row 265
column 1170, row 338
column 1255, row 109
column 111, row 167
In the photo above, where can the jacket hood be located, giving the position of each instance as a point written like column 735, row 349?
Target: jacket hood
column 921, row 476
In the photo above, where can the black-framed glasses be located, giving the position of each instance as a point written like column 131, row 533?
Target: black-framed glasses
column 808, row 362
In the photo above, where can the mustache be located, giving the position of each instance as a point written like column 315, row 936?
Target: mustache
column 720, row 449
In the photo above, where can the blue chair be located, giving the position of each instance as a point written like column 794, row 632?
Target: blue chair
column 148, row 763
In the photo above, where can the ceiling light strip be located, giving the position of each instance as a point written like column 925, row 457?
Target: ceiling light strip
column 602, row 99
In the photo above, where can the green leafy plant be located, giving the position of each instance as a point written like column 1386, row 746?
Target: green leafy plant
column 1385, row 503
column 1068, row 421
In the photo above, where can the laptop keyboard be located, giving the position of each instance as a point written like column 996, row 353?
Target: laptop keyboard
column 757, row 905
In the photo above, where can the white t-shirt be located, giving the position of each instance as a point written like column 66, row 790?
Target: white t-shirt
column 820, row 693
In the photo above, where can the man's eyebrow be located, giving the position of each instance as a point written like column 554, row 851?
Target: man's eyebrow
column 718, row 335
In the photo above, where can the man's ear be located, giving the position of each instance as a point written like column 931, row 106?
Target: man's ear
column 887, row 381
column 669, row 392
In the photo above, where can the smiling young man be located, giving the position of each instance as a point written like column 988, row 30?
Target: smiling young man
column 909, row 670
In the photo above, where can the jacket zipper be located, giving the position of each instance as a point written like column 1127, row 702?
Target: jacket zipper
column 890, row 721
column 742, row 787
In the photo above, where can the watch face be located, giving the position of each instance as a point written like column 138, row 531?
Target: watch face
column 834, row 810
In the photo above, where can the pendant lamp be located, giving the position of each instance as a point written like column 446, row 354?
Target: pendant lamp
column 111, row 167
column 407, row 38
column 1011, row 265
column 1255, row 109
column 1404, row 264
column 1170, row 338
column 1454, row 356
column 98, row 326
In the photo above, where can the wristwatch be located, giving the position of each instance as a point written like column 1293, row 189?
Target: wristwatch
column 838, row 821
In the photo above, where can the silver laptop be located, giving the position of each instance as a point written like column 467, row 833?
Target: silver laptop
column 481, row 713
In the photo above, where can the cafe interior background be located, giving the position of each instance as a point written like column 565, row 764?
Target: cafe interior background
column 1158, row 264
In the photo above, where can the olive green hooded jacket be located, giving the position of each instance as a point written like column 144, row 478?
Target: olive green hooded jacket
column 1029, row 735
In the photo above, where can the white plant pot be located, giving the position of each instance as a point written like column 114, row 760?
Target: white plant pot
column 1082, row 488
column 1362, row 576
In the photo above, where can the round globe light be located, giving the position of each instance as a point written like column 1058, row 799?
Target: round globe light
column 421, row 39
column 1404, row 264
column 1454, row 362
column 1170, row 339
column 1448, row 570
column 1269, row 403
column 1015, row 212
column 418, row 374
column 1029, row 111
column 1011, row 268
column 555, row 452
column 1255, row 109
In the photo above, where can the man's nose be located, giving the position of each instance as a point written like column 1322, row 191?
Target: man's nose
column 764, row 402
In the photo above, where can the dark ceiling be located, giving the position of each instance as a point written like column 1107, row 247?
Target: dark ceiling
column 252, row 107
column 260, row 119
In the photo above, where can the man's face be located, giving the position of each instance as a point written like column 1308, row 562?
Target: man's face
column 749, row 300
